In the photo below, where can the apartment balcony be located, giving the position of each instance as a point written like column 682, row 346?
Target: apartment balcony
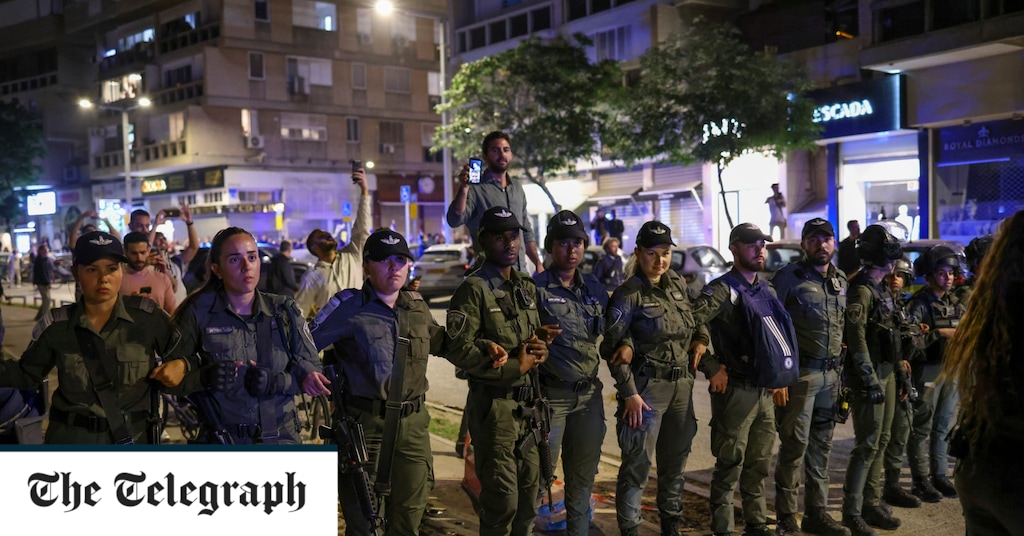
column 180, row 93
column 314, row 38
column 202, row 34
column 128, row 61
column 147, row 157
column 28, row 84
column 84, row 14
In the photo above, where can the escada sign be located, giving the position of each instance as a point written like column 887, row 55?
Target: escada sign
column 861, row 108
column 824, row 114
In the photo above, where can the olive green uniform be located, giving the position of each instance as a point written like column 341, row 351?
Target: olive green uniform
column 569, row 379
column 212, row 333
column 817, row 304
column 658, row 323
column 742, row 417
column 489, row 308
column 137, row 331
column 912, row 341
column 365, row 333
column 873, row 345
column 940, row 397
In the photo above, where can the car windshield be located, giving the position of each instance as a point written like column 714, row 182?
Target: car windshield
column 440, row 256
column 708, row 257
column 779, row 257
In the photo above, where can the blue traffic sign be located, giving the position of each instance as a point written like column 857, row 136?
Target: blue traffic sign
column 406, row 194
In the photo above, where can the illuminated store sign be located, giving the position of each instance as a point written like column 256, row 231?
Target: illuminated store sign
column 861, row 108
column 991, row 141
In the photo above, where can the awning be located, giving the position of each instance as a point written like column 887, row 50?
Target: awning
column 614, row 193
column 672, row 192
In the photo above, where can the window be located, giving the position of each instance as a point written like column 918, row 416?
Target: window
column 256, row 66
column 358, row 76
column 352, row 128
column 250, row 122
column 403, row 27
column 392, row 132
column 319, row 15
column 213, row 197
column 188, row 199
column 262, row 12
column 259, row 197
column 165, row 128
column 428, row 143
column 312, row 127
column 315, row 71
column 125, row 87
column 612, row 44
column 364, row 25
column 396, row 80
column 174, row 76
column 129, row 42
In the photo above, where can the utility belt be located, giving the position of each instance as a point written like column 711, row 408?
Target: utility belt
column 662, row 371
column 748, row 384
column 523, row 393
column 577, row 386
column 823, row 365
column 378, row 407
column 92, row 423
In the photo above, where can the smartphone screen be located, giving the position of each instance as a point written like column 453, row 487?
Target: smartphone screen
column 475, row 165
column 172, row 212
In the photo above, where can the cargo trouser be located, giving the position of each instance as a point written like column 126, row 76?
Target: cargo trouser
column 580, row 417
column 991, row 491
column 932, row 426
column 805, row 434
column 742, row 438
column 509, row 480
column 667, row 432
column 412, row 476
column 872, row 425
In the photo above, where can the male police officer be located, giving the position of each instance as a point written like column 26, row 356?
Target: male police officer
column 742, row 416
column 937, row 307
column 368, row 327
column 814, row 293
column 975, row 252
column 873, row 343
column 491, row 336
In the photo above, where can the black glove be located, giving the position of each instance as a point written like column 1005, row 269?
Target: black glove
column 875, row 394
column 261, row 381
column 219, row 375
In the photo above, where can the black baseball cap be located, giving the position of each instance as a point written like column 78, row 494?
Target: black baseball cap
column 96, row 245
column 385, row 243
column 566, row 224
column 498, row 220
column 654, row 233
column 817, row 226
column 748, row 233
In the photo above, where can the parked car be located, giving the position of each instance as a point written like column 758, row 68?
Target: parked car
column 195, row 274
column 698, row 264
column 441, row 269
column 781, row 253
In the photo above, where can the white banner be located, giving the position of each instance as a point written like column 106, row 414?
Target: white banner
column 170, row 489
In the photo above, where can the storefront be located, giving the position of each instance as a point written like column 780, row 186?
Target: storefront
column 979, row 177
column 874, row 161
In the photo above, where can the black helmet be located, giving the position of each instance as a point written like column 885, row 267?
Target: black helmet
column 903, row 269
column 938, row 256
column 877, row 246
column 976, row 251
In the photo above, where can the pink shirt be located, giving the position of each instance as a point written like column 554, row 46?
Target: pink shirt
column 151, row 284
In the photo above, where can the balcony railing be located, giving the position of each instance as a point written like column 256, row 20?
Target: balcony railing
column 114, row 160
column 140, row 54
column 28, row 84
column 199, row 35
column 179, row 93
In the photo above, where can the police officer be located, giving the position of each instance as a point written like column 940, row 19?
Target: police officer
column 975, row 252
column 246, row 353
column 367, row 327
column 813, row 291
column 491, row 336
column 651, row 332
column 576, row 303
column 912, row 340
column 742, row 414
column 870, row 335
column 103, row 346
column 937, row 307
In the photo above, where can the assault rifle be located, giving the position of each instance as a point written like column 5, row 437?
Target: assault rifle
column 352, row 454
column 841, row 407
column 538, row 417
column 906, row 386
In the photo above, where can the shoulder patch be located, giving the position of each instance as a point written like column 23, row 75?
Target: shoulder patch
column 455, row 323
column 329, row 307
column 615, row 315
column 413, row 295
column 854, row 313
column 141, row 302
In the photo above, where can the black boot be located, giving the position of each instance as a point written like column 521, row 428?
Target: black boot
column 925, row 491
column 628, row 532
column 670, row 526
column 944, row 486
column 857, row 526
column 823, row 524
column 897, row 496
column 877, row 517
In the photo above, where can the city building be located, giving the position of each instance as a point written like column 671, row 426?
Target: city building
column 257, row 109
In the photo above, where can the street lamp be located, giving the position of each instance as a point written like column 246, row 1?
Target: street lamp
column 385, row 8
column 123, row 106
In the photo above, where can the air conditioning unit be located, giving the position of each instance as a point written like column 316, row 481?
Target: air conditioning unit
column 254, row 142
column 387, row 148
column 364, row 39
column 71, row 174
column 400, row 41
column 298, row 86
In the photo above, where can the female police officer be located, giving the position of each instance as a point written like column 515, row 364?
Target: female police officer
column 368, row 327
column 575, row 303
column 103, row 346
column 247, row 353
column 651, row 331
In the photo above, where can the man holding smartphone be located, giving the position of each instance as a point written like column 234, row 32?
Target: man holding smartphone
column 139, row 280
column 495, row 189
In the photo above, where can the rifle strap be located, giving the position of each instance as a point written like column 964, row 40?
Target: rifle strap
column 393, row 413
column 269, row 418
column 100, row 368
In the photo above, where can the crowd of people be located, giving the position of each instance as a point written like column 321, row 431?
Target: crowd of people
column 785, row 358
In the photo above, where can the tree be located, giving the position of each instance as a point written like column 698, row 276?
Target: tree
column 546, row 95
column 704, row 96
column 24, row 146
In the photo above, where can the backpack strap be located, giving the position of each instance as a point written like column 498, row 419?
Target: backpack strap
column 101, row 367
